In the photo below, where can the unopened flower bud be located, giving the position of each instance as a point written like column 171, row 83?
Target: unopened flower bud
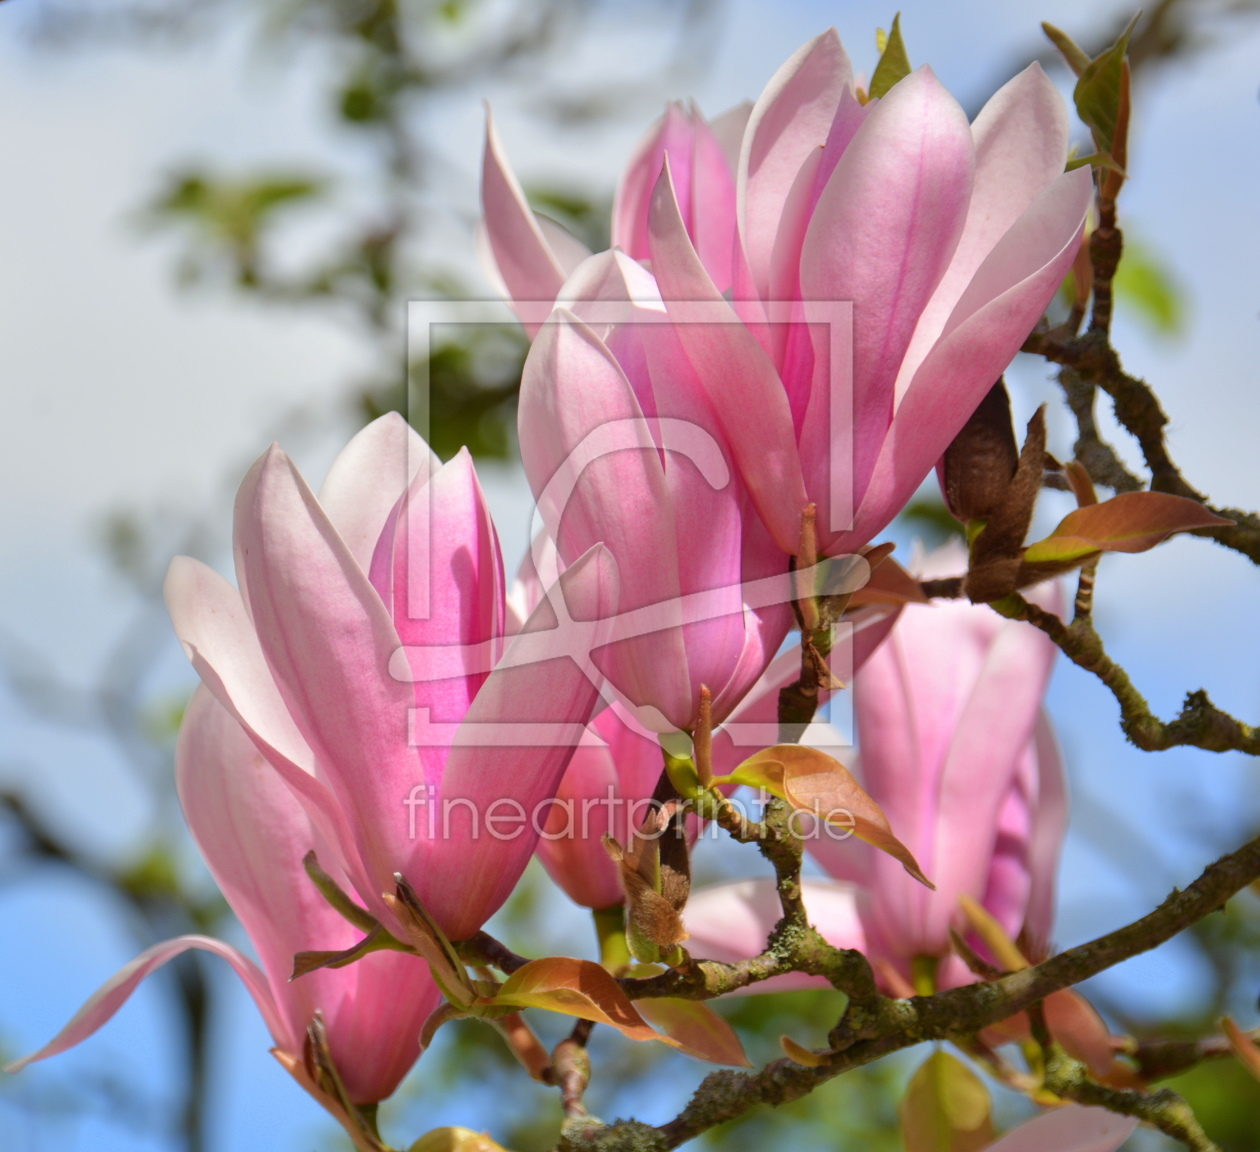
column 978, row 465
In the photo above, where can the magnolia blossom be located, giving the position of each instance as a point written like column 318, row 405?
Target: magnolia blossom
column 358, row 657
column 609, row 784
column 948, row 239
column 253, row 835
column 956, row 750
column 622, row 447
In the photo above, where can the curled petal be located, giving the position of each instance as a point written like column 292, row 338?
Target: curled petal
column 523, row 258
column 111, row 996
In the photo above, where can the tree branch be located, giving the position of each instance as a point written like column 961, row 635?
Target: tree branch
column 1091, row 357
column 958, row 1014
column 1200, row 723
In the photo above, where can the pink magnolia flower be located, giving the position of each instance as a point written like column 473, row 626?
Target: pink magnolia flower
column 623, row 448
column 606, row 790
column 612, row 777
column 608, row 785
column 949, row 239
column 253, row 835
column 956, row 750
column 358, row 657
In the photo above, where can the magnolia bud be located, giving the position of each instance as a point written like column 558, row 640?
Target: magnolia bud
column 979, row 464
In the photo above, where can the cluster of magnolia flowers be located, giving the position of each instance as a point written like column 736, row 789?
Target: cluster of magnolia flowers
column 385, row 732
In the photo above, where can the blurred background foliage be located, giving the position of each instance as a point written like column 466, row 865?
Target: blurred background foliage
column 381, row 66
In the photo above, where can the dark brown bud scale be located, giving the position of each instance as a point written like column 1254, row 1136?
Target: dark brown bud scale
column 980, row 462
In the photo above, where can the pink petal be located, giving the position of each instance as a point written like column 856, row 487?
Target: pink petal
column 728, row 130
column 882, row 236
column 1008, row 882
column 254, row 834
column 111, row 995
column 577, row 861
column 567, row 250
column 730, row 923
column 544, row 679
column 597, row 476
column 790, row 119
column 368, row 476
column 671, row 135
column 604, row 791
column 989, row 323
column 706, row 500
column 540, row 568
column 522, row 256
column 1069, row 1129
column 1021, row 138
column 738, row 377
column 1075, row 1024
column 1048, row 829
column 713, row 224
column 995, row 726
column 220, row 643
column 439, row 570
column 328, row 639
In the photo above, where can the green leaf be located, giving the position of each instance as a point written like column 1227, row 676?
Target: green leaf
column 361, row 918
column 1076, row 58
column 1130, row 522
column 1243, row 1047
column 695, row 1029
column 893, row 64
column 378, row 940
column 1098, row 91
column 1144, row 285
column 1096, row 160
column 946, row 1108
column 455, row 1140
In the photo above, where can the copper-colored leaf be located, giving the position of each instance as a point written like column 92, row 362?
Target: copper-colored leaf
column 819, row 784
column 696, row 1029
column 1075, row 1024
column 946, row 1108
column 1244, row 1047
column 1082, row 485
column 575, row 988
column 890, row 583
column 1130, row 522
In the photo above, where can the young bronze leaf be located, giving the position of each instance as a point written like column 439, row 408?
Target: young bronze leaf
column 946, row 1108
column 1130, row 522
column 891, row 584
column 694, row 1028
column 575, row 988
column 1080, row 1031
column 1244, row 1047
column 814, row 782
